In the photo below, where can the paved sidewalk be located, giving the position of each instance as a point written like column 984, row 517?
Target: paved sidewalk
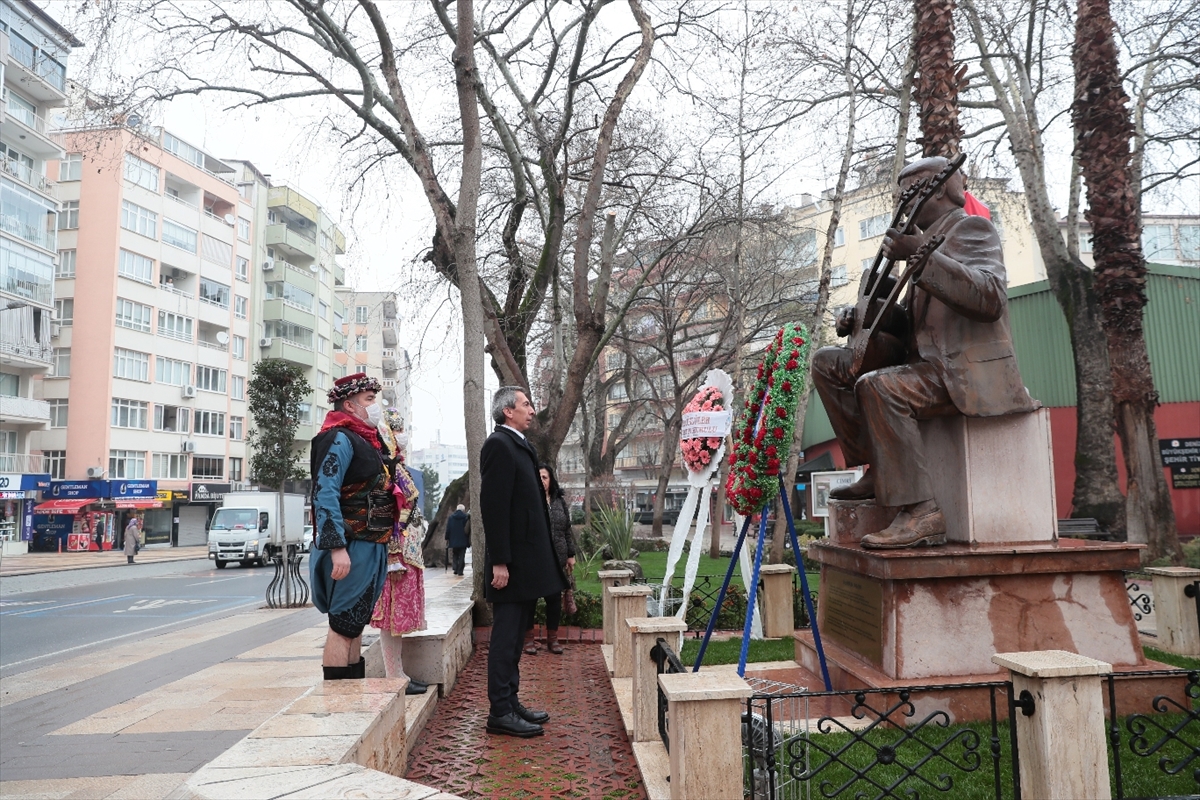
column 30, row 563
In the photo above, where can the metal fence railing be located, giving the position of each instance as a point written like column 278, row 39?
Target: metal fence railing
column 668, row 663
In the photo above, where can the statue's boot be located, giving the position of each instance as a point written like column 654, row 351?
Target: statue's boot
column 861, row 489
column 919, row 525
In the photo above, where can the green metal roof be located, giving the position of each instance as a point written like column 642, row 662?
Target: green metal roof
column 1042, row 343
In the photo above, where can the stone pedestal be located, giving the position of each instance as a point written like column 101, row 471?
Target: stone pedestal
column 778, row 611
column 1174, row 611
column 628, row 602
column 705, row 718
column 1063, row 742
column 608, row 579
column 646, row 631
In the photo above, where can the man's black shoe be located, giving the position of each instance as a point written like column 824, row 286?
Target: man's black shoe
column 511, row 724
column 416, row 687
column 529, row 715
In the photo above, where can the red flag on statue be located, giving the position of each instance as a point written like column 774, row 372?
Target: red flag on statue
column 976, row 208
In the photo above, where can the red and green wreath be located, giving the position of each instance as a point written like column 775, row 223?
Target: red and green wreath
column 764, row 431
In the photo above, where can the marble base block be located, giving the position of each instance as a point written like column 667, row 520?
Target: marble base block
column 851, row 520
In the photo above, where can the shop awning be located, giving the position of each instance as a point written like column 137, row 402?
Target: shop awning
column 62, row 506
column 138, row 503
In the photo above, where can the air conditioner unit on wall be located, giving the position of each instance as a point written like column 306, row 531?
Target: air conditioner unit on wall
column 188, row 391
column 189, row 447
column 268, row 266
column 55, row 330
column 95, row 472
column 264, row 341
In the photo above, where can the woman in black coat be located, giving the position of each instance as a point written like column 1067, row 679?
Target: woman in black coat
column 564, row 551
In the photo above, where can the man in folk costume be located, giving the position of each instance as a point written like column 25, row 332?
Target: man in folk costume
column 355, row 512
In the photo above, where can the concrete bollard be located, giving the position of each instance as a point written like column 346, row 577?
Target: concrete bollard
column 1061, row 731
column 704, row 712
column 779, row 619
column 610, row 578
column 628, row 602
column 646, row 631
column 1175, row 611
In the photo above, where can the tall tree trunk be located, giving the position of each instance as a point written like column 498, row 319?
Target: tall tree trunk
column 1104, row 130
column 937, row 82
column 1096, row 493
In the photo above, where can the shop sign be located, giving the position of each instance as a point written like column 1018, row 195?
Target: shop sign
column 130, row 490
column 18, row 482
column 207, row 492
column 167, row 495
column 66, row 490
column 6, row 495
column 27, row 523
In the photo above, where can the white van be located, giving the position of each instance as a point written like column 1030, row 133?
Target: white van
column 246, row 527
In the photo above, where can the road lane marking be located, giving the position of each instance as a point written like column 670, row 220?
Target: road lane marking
column 13, row 603
column 218, row 580
column 141, row 632
column 67, row 605
column 147, row 605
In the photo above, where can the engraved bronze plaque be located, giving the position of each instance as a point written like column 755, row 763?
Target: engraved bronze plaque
column 852, row 613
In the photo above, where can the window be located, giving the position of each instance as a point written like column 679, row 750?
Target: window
column 129, row 413
column 322, row 379
column 213, row 293
column 208, row 467
column 139, row 220
column 1189, row 242
column 837, row 276
column 1085, row 242
column 246, row 191
column 235, row 469
column 171, row 419
column 174, row 326
column 58, row 413
column 136, row 266
column 184, row 150
column 322, row 344
column 1158, row 243
column 323, row 310
column 170, row 371
column 239, row 348
column 55, row 462
column 873, row 226
column 210, row 379
column 180, row 236
column 360, row 314
column 143, row 173
column 360, row 344
column 839, row 237
column 64, row 310
column 305, row 413
column 240, row 304
column 126, row 464
column 210, row 423
column 290, row 294
column 338, row 322
column 294, row 334
column 68, row 216
column 237, row 428
column 866, row 263
column 22, row 109
column 325, row 242
column 62, row 363
column 169, row 466
column 216, row 251
column 243, row 269
column 324, row 275
column 243, row 229
column 70, row 168
column 131, row 365
column 65, row 268
column 237, row 388
column 10, row 384
column 133, row 315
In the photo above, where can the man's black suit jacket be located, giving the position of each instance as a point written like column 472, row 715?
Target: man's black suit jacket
column 516, row 521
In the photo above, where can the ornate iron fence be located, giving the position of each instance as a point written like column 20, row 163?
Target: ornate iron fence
column 1141, row 600
column 288, row 588
column 1170, row 734
column 704, row 597
column 668, row 663
column 879, row 743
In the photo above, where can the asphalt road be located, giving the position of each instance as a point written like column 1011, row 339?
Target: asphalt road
column 63, row 614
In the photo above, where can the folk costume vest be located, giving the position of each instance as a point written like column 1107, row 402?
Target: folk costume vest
column 367, row 503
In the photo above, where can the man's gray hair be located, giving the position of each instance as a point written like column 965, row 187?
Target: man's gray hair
column 505, row 397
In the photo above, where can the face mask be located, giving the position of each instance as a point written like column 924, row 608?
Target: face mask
column 402, row 439
column 374, row 414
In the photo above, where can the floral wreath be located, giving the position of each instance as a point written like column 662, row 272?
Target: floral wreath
column 699, row 453
column 764, row 434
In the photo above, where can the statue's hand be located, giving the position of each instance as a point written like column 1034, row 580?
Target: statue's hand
column 898, row 246
column 845, row 320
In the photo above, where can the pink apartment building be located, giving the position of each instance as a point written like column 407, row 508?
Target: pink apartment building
column 150, row 367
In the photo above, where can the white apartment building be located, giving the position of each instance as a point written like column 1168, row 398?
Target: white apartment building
column 450, row 460
column 372, row 334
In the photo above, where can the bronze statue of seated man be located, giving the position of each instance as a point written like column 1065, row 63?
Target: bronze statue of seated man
column 954, row 356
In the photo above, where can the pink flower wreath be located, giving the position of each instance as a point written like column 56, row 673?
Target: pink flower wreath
column 699, row 453
column 764, row 433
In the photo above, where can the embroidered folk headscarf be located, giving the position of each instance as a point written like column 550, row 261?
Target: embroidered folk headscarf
column 352, row 385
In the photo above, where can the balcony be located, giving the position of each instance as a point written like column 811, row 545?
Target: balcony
column 38, row 76
column 36, row 136
column 31, row 178
column 390, row 337
column 29, row 464
column 23, row 412
column 289, row 351
column 288, row 312
column 291, row 243
column 390, row 366
column 290, row 203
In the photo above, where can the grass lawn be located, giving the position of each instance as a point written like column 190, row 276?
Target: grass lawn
column 727, row 651
column 1183, row 662
column 654, row 566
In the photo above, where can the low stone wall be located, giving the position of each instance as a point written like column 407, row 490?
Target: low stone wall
column 437, row 654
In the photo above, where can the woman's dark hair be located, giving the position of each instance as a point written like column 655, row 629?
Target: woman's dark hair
column 555, row 490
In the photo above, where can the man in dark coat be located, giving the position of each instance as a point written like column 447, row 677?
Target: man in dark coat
column 457, row 539
column 960, row 361
column 520, row 565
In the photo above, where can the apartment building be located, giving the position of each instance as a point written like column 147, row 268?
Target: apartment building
column 296, row 313
column 450, row 460
column 147, row 392
column 33, row 56
column 1166, row 239
column 372, row 332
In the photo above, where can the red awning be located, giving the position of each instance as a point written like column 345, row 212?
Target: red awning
column 61, row 506
column 137, row 503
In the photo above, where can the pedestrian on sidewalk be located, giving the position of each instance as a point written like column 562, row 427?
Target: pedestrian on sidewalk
column 355, row 511
column 564, row 551
column 519, row 564
column 132, row 540
column 401, row 606
column 457, row 539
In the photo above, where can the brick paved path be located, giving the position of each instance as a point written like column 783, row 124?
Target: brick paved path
column 585, row 752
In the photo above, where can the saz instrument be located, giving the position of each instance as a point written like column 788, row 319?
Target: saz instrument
column 872, row 347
